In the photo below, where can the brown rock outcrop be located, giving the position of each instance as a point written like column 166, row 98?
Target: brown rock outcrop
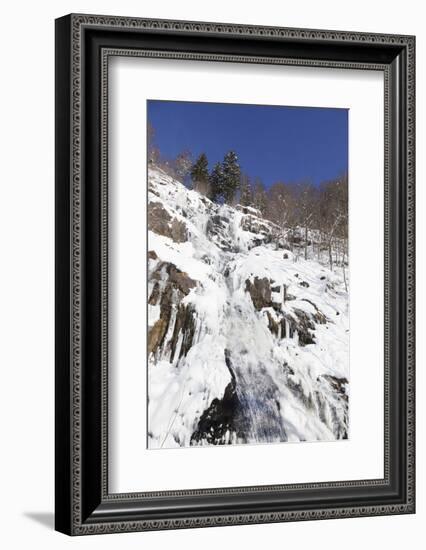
column 260, row 292
column 170, row 287
column 160, row 222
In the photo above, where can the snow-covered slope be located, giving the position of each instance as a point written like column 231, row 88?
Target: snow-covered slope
column 245, row 345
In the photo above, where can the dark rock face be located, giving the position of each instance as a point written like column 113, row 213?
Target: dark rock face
column 222, row 423
column 318, row 316
column 217, row 228
column 185, row 325
column 286, row 325
column 155, row 294
column 178, row 231
column 338, row 384
column 273, row 326
column 170, row 287
column 217, row 425
column 303, row 326
column 156, row 334
column 160, row 222
column 263, row 231
column 266, row 231
column 260, row 292
column 180, row 279
column 175, row 276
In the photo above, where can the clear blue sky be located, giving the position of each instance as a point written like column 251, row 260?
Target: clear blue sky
column 275, row 143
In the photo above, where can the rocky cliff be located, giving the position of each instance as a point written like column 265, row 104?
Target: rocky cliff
column 245, row 344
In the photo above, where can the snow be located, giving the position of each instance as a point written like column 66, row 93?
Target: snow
column 178, row 396
column 249, row 210
column 153, row 314
column 278, row 381
column 182, row 255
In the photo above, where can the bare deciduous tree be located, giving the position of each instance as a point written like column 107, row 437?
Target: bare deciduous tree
column 260, row 199
column 183, row 164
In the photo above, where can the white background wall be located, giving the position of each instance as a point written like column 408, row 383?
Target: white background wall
column 26, row 289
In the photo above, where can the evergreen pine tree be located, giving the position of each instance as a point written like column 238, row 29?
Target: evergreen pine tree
column 231, row 176
column 260, row 198
column 200, row 174
column 246, row 194
column 216, row 182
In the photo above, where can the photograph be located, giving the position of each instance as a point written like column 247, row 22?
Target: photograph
column 234, row 275
column 248, row 274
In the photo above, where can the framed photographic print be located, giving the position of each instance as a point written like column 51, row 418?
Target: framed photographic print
column 234, row 274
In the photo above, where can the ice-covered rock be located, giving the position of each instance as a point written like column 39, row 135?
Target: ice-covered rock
column 247, row 342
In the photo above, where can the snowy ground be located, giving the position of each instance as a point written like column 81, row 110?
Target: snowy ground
column 250, row 345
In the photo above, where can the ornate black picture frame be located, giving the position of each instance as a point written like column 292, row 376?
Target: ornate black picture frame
column 84, row 44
